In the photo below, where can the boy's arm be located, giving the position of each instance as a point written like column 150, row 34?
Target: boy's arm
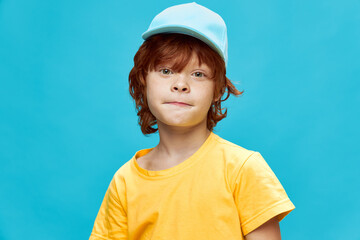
column 267, row 231
column 259, row 196
column 111, row 220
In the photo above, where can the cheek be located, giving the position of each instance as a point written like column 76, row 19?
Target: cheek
column 207, row 95
column 154, row 98
column 150, row 91
column 154, row 93
column 150, row 98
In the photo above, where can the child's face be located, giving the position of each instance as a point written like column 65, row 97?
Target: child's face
column 181, row 98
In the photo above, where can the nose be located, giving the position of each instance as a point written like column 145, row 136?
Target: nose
column 180, row 84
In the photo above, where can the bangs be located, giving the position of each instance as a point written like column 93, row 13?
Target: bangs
column 176, row 50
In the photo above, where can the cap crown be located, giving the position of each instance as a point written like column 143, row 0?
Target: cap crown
column 194, row 20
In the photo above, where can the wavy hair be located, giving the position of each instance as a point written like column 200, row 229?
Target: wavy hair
column 177, row 49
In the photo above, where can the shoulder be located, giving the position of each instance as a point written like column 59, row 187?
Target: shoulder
column 233, row 156
column 232, row 152
column 120, row 175
column 123, row 170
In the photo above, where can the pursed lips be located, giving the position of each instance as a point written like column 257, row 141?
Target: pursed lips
column 178, row 103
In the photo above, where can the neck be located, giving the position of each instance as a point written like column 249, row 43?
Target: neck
column 177, row 142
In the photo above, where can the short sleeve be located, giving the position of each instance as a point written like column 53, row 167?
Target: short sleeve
column 258, row 194
column 111, row 220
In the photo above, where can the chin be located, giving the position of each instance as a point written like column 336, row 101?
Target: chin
column 181, row 123
column 178, row 124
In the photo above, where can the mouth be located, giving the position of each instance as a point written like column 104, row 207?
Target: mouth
column 182, row 104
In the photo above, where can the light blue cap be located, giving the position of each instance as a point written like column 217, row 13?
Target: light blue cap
column 194, row 20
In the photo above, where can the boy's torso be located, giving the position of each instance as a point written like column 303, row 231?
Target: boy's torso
column 182, row 202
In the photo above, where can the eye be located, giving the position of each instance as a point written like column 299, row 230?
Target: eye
column 199, row 74
column 165, row 71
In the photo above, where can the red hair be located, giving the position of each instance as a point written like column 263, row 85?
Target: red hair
column 177, row 49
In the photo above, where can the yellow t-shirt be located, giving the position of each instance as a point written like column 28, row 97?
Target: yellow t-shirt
column 223, row 191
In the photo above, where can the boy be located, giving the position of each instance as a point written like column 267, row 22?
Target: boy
column 193, row 184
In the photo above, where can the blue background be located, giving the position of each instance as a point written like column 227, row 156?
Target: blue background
column 67, row 121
